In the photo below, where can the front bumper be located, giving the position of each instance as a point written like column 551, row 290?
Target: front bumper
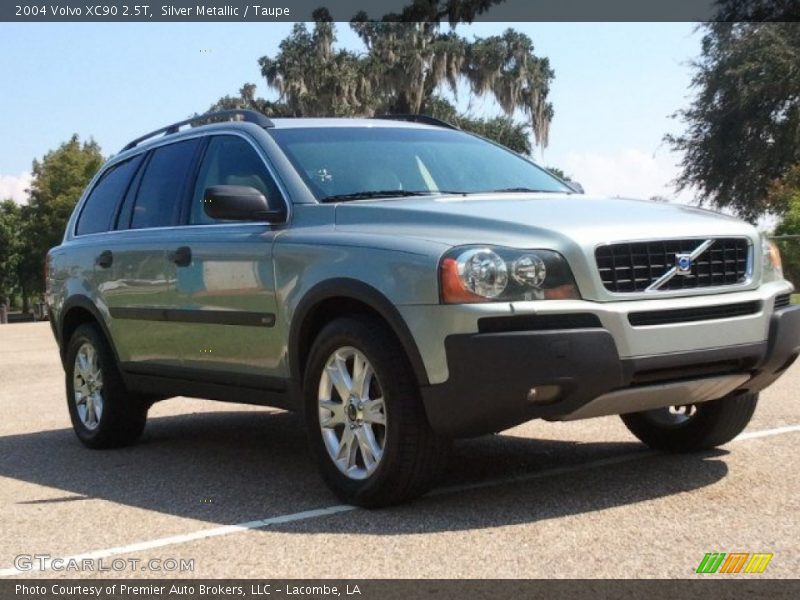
column 579, row 373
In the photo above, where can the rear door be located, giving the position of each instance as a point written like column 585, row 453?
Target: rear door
column 94, row 231
column 226, row 293
column 140, row 288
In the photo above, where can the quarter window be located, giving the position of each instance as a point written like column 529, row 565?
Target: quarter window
column 164, row 185
column 101, row 205
column 231, row 160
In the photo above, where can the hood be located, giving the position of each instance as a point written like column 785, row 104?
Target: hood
column 535, row 220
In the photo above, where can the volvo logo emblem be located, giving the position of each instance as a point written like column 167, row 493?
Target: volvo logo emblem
column 683, row 264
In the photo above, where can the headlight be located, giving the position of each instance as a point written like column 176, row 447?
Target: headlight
column 771, row 259
column 495, row 274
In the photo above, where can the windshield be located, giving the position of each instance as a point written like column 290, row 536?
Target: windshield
column 350, row 163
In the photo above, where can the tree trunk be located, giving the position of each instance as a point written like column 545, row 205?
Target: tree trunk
column 401, row 105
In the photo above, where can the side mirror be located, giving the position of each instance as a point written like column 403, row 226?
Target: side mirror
column 239, row 203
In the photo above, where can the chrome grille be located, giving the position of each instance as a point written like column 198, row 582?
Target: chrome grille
column 636, row 266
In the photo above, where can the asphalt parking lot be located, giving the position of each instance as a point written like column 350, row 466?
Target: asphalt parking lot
column 233, row 488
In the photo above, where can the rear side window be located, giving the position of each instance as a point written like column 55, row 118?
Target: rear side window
column 164, row 184
column 230, row 160
column 101, row 205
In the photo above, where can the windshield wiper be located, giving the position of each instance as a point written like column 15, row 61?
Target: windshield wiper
column 517, row 189
column 376, row 194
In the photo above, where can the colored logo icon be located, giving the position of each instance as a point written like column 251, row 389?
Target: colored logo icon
column 734, row 562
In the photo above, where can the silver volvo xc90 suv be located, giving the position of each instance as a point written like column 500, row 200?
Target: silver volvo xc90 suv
column 403, row 283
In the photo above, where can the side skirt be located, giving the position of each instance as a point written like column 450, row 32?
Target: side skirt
column 166, row 382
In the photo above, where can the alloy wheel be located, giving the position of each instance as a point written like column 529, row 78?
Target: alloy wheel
column 87, row 384
column 352, row 413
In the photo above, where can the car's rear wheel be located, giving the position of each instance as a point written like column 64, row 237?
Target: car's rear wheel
column 103, row 413
column 693, row 427
column 366, row 422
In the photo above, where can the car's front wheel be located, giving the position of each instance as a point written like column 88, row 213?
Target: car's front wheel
column 103, row 413
column 693, row 427
column 367, row 425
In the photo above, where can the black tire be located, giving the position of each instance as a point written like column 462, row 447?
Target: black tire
column 413, row 456
column 123, row 414
column 713, row 424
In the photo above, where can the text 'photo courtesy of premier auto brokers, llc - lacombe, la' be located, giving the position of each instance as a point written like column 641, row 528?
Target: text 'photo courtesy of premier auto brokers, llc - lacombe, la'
column 145, row 590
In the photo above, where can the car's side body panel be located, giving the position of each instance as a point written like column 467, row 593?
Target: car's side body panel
column 134, row 292
column 227, row 300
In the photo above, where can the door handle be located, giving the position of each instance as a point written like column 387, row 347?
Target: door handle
column 181, row 257
column 105, row 259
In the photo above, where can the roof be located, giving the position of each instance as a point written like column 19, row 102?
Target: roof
column 301, row 122
column 251, row 119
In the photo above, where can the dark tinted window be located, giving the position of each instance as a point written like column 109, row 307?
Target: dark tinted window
column 163, row 185
column 231, row 160
column 101, row 205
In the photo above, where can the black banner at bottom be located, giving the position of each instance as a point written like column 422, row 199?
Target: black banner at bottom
column 380, row 589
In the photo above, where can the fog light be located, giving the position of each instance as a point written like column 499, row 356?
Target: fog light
column 544, row 394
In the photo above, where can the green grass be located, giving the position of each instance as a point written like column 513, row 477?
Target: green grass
column 795, row 298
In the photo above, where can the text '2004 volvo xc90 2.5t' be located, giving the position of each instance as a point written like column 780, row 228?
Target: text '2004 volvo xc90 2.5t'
column 403, row 283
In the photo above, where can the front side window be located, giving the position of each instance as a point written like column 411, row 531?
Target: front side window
column 337, row 162
column 230, row 160
column 101, row 205
column 163, row 185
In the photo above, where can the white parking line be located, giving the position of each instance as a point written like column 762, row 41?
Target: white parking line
column 752, row 435
column 202, row 534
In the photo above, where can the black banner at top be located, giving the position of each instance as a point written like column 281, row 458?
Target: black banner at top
column 405, row 10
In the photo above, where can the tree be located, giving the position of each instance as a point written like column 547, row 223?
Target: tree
column 743, row 127
column 787, row 192
column 405, row 69
column 9, row 247
column 507, row 67
column 758, row 10
column 314, row 79
column 503, row 130
column 559, row 173
column 58, row 181
column 453, row 11
column 247, row 100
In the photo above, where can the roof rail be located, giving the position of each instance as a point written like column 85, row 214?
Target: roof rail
column 426, row 119
column 249, row 116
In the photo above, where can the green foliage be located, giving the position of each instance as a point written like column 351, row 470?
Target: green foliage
column 407, row 62
column 503, row 130
column 313, row 78
column 9, row 247
column 58, row 181
column 559, row 173
column 758, row 10
column 404, row 70
column 506, row 66
column 247, row 100
column 744, row 124
column 787, row 191
column 436, row 11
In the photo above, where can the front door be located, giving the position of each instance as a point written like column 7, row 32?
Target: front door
column 226, row 291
